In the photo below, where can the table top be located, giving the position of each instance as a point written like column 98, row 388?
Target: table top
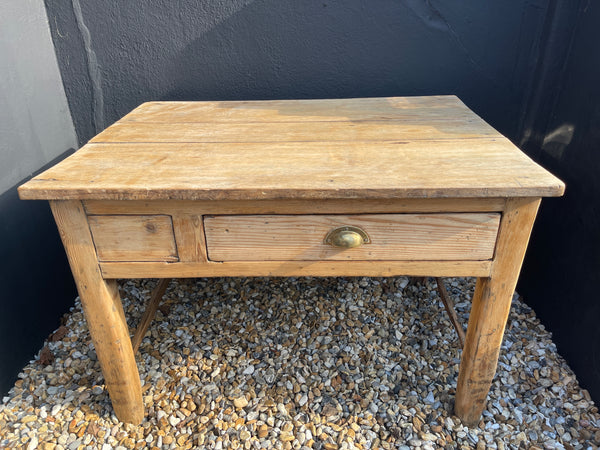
column 396, row 147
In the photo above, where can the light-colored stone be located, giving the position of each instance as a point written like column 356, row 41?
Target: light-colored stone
column 240, row 402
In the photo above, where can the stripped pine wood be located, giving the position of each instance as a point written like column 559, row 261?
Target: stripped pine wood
column 133, row 238
column 490, row 308
column 189, row 234
column 427, row 129
column 311, row 170
column 402, row 237
column 295, row 269
column 349, row 109
column 438, row 190
column 103, row 312
column 449, row 307
column 328, row 206
column 149, row 313
column 419, row 147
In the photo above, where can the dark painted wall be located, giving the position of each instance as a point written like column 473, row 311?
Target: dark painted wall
column 115, row 55
column 506, row 60
column 561, row 278
column 37, row 287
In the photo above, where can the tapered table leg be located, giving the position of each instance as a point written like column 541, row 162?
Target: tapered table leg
column 103, row 311
column 490, row 308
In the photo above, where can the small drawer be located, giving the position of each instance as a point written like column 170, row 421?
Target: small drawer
column 391, row 237
column 133, row 238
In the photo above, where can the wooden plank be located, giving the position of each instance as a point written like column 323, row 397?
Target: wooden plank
column 296, row 269
column 151, row 308
column 327, row 206
column 490, row 308
column 308, row 170
column 352, row 109
column 189, row 236
column 449, row 307
column 404, row 237
column 133, row 238
column 103, row 312
column 424, row 129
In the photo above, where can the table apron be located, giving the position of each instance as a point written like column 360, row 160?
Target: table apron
column 295, row 268
column 119, row 248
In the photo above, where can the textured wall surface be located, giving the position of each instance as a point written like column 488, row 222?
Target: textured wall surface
column 35, row 128
column 35, row 123
column 115, row 55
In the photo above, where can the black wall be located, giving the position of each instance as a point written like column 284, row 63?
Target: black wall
column 507, row 61
column 561, row 277
column 484, row 52
column 37, row 286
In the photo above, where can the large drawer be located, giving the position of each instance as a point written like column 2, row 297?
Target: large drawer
column 399, row 237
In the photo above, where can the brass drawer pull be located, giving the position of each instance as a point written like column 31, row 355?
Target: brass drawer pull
column 347, row 237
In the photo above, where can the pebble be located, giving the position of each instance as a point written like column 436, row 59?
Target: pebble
column 302, row 363
column 286, row 436
column 303, row 400
column 240, row 402
column 428, row 436
column 97, row 390
column 33, row 443
column 263, row 431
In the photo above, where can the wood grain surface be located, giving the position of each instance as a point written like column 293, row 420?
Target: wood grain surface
column 400, row 237
column 326, row 131
column 133, row 238
column 295, row 269
column 404, row 147
column 295, row 206
column 321, row 110
column 490, row 308
column 103, row 312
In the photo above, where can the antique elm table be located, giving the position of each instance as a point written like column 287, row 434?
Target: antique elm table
column 415, row 186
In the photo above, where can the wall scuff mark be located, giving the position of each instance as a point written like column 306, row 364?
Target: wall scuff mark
column 550, row 64
column 432, row 18
column 93, row 69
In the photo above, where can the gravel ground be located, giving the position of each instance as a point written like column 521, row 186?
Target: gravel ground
column 330, row 363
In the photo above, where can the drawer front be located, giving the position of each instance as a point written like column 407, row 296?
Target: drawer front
column 133, row 238
column 392, row 237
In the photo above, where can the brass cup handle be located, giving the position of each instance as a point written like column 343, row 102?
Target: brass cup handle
column 347, row 237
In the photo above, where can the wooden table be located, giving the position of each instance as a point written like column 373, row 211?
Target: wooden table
column 416, row 186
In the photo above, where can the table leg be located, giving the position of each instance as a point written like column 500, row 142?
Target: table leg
column 490, row 308
column 103, row 311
